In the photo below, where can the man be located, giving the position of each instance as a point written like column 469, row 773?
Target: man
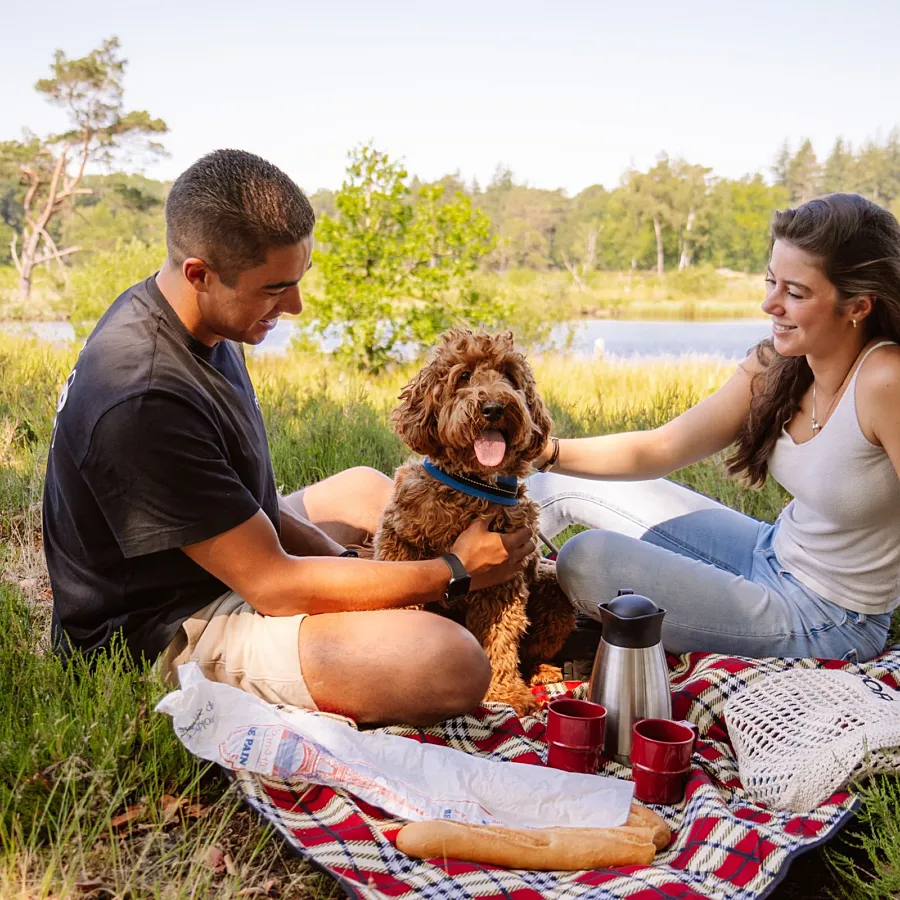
column 161, row 516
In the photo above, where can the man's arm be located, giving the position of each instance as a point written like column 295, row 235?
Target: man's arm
column 299, row 537
column 252, row 562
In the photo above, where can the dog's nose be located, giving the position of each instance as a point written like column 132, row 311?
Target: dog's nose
column 492, row 410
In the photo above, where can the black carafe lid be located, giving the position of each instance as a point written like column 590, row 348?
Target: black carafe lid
column 631, row 620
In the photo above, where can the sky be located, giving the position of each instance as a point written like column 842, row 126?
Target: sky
column 566, row 94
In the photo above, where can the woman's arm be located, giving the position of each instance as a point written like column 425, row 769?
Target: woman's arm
column 697, row 433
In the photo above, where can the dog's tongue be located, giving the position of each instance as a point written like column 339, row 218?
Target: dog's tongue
column 490, row 447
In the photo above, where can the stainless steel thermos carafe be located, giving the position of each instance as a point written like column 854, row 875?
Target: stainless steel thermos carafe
column 630, row 677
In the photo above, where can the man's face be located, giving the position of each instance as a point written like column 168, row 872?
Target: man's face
column 248, row 311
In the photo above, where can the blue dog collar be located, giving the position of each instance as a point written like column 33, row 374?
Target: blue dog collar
column 504, row 492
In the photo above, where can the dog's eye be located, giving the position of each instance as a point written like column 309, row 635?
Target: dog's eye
column 511, row 379
column 464, row 377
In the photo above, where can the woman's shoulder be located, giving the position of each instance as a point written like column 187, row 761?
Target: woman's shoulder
column 758, row 359
column 878, row 390
column 881, row 371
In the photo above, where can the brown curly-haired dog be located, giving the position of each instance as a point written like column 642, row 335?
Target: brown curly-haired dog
column 474, row 410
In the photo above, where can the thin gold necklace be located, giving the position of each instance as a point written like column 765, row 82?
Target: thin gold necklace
column 816, row 427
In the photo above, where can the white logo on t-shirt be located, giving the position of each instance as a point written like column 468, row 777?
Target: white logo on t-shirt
column 63, row 396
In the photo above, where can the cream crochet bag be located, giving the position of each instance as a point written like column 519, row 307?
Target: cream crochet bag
column 804, row 734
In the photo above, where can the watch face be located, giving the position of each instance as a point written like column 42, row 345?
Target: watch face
column 458, row 587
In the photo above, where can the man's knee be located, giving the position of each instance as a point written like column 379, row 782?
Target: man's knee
column 456, row 672
column 370, row 481
column 393, row 666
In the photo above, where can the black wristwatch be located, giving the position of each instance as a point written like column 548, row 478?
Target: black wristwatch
column 460, row 580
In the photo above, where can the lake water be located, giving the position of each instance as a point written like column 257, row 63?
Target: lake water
column 620, row 339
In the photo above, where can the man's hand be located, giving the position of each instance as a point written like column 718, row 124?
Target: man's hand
column 492, row 558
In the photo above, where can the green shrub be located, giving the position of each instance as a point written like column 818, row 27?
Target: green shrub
column 97, row 281
column 695, row 282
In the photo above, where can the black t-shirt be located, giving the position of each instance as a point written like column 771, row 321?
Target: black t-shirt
column 158, row 443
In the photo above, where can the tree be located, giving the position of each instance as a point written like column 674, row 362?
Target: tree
column 396, row 267
column 323, row 203
column 738, row 226
column 839, row 173
column 52, row 169
column 688, row 208
column 627, row 231
column 878, row 169
column 577, row 236
column 525, row 222
column 800, row 173
column 120, row 207
column 781, row 164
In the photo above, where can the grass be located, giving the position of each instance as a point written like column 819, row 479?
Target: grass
column 96, row 789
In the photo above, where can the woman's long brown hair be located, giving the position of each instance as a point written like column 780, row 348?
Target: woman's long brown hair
column 857, row 243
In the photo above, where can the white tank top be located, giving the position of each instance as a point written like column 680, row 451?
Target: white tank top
column 840, row 535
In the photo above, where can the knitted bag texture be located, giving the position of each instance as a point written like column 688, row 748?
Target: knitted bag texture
column 802, row 735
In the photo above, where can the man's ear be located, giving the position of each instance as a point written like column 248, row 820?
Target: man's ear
column 197, row 273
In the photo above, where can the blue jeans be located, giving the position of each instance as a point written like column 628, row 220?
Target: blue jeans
column 711, row 568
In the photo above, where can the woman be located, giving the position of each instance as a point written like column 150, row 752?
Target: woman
column 818, row 406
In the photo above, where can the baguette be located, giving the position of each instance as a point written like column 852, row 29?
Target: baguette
column 641, row 817
column 548, row 849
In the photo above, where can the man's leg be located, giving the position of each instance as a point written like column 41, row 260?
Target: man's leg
column 392, row 666
column 387, row 666
column 347, row 506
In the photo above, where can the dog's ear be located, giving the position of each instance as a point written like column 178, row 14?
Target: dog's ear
column 415, row 419
column 543, row 424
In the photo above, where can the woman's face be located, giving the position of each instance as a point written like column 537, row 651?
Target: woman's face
column 803, row 305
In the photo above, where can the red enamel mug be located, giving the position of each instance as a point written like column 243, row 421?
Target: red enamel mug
column 575, row 733
column 661, row 752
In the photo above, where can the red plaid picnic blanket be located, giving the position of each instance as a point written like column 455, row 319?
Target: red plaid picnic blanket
column 725, row 846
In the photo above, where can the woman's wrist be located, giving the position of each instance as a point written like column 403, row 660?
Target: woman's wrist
column 549, row 456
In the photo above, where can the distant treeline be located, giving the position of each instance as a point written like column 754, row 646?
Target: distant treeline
column 676, row 214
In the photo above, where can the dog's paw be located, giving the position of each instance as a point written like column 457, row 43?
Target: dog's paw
column 525, row 706
column 523, row 702
column 518, row 696
column 546, row 674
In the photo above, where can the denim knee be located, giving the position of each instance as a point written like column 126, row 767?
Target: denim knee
column 584, row 564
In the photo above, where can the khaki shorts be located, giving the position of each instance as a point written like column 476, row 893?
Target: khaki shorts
column 234, row 644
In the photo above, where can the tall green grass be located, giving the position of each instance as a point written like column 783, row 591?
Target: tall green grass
column 79, row 747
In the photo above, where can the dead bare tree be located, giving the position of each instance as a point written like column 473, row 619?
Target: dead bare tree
column 51, row 169
column 587, row 263
column 687, row 250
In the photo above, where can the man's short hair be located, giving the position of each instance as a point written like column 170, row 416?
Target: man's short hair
column 230, row 208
